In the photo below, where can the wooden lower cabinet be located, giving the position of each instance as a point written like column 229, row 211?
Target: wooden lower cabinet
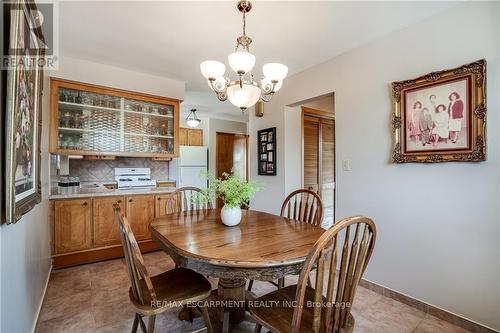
column 85, row 231
column 140, row 212
column 166, row 183
column 165, row 204
column 105, row 228
column 72, row 225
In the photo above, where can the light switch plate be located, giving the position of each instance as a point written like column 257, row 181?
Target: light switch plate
column 346, row 165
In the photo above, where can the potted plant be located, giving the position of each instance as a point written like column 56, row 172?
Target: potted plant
column 233, row 190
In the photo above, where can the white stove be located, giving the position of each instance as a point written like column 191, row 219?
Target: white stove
column 134, row 178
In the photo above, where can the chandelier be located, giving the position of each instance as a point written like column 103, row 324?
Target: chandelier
column 244, row 91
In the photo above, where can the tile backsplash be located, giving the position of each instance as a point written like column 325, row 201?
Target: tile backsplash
column 103, row 171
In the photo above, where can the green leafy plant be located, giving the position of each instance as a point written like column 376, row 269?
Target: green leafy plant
column 231, row 188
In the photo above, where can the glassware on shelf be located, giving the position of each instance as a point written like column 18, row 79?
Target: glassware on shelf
column 62, row 96
column 100, row 102
column 92, row 123
column 67, row 119
column 88, row 100
column 78, row 98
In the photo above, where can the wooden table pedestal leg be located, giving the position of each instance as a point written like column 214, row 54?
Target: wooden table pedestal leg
column 232, row 290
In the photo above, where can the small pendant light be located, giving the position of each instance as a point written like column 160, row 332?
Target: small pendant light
column 192, row 119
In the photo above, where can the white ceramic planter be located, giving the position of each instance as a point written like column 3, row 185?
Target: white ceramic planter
column 230, row 216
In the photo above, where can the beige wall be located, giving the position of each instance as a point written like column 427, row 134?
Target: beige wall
column 323, row 103
column 438, row 223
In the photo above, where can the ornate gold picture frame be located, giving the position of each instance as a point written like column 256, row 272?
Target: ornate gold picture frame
column 23, row 106
column 441, row 116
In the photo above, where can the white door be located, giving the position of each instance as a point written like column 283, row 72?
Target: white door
column 193, row 176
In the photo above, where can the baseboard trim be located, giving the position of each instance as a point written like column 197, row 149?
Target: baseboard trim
column 39, row 310
column 445, row 315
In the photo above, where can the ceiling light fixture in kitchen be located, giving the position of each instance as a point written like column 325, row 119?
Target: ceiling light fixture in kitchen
column 192, row 119
column 244, row 92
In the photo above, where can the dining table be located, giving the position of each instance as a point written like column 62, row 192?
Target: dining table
column 262, row 247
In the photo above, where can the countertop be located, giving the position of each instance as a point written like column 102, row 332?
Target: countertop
column 98, row 190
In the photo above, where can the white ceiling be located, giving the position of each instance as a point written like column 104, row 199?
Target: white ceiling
column 171, row 38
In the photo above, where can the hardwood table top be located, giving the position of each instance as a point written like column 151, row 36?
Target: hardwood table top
column 261, row 240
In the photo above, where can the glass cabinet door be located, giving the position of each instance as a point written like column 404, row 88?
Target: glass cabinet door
column 148, row 127
column 88, row 121
column 91, row 122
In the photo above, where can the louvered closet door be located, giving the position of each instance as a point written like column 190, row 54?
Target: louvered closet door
column 328, row 170
column 311, row 153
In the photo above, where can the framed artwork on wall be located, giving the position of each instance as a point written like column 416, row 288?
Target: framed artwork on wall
column 266, row 144
column 23, row 104
column 441, row 116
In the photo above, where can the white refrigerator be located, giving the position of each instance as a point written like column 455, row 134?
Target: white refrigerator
column 189, row 167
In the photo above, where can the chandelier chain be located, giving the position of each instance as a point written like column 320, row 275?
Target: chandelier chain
column 244, row 24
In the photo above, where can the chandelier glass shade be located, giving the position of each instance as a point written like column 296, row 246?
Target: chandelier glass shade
column 243, row 91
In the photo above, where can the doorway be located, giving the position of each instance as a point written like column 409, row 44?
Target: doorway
column 231, row 153
column 318, row 158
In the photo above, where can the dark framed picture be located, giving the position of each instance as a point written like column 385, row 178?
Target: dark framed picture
column 441, row 116
column 266, row 142
column 263, row 167
column 22, row 107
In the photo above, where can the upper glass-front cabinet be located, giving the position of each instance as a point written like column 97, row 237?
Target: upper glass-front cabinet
column 94, row 120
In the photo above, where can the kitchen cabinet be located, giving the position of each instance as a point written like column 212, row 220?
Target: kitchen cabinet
column 72, row 225
column 84, row 230
column 165, row 183
column 100, row 121
column 105, row 228
column 190, row 137
column 140, row 212
column 165, row 204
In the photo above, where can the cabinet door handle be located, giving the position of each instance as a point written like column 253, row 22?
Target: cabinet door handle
column 85, row 203
column 130, row 200
column 119, row 201
column 159, row 199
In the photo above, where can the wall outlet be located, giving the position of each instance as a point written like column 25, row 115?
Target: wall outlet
column 346, row 165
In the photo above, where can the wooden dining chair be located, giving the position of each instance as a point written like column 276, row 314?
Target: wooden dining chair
column 304, row 206
column 153, row 295
column 181, row 201
column 301, row 205
column 341, row 255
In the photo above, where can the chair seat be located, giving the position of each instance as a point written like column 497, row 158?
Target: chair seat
column 278, row 318
column 178, row 286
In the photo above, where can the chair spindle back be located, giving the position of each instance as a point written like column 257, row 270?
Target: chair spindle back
column 303, row 205
column 350, row 240
column 138, row 273
column 183, row 202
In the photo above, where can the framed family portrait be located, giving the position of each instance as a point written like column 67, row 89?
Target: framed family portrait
column 441, row 116
column 266, row 142
column 23, row 104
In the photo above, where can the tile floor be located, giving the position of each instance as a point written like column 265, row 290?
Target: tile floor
column 94, row 298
